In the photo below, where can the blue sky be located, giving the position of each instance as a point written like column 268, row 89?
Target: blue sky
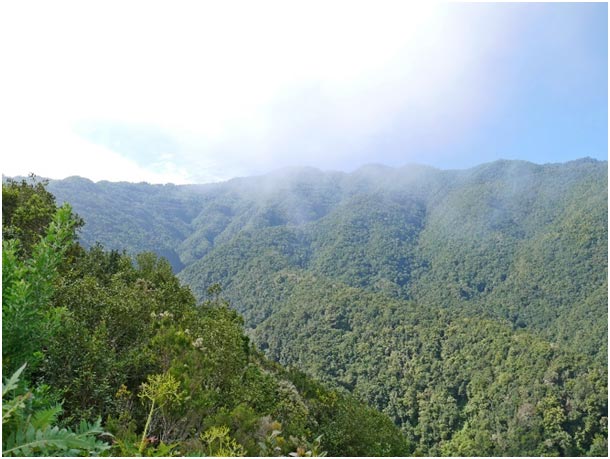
column 192, row 92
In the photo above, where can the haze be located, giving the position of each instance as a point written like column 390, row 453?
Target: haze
column 193, row 92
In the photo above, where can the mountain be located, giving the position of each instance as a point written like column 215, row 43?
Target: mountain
column 110, row 354
column 468, row 305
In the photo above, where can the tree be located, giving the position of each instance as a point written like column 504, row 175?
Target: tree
column 28, row 317
column 27, row 210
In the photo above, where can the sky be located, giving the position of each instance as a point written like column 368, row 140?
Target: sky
column 196, row 92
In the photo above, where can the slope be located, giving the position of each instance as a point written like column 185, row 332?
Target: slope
column 481, row 290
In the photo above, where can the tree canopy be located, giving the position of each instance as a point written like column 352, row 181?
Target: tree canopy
column 468, row 309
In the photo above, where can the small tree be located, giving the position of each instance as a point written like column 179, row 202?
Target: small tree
column 27, row 288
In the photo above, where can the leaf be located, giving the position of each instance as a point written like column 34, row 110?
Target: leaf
column 11, row 384
column 45, row 418
column 53, row 440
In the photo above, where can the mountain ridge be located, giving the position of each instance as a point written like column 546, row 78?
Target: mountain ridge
column 584, row 159
column 379, row 280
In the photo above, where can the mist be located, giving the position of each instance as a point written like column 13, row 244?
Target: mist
column 198, row 93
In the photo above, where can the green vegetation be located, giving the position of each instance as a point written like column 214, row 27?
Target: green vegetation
column 113, row 356
column 28, row 431
column 466, row 308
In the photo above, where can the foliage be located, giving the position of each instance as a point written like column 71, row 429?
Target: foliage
column 27, row 210
column 441, row 312
column 31, row 432
column 28, row 319
column 159, row 390
column 219, row 443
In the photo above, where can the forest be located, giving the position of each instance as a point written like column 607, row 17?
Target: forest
column 387, row 311
column 105, row 354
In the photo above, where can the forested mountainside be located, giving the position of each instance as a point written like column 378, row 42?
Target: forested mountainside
column 470, row 306
column 106, row 355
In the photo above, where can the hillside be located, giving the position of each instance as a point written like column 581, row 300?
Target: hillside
column 468, row 305
column 105, row 354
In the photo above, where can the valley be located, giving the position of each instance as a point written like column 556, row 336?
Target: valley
column 469, row 306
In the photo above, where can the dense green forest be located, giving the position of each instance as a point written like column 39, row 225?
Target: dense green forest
column 105, row 354
column 468, row 308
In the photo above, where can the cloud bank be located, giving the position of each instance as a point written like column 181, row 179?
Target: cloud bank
column 203, row 91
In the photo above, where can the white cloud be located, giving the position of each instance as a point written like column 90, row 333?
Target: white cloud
column 55, row 152
column 233, row 81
